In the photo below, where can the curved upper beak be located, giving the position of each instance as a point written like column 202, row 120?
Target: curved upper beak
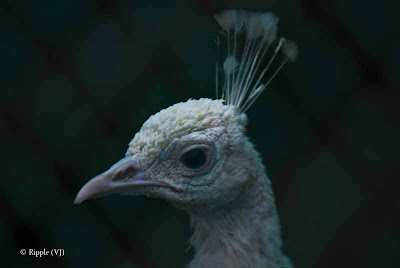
column 125, row 176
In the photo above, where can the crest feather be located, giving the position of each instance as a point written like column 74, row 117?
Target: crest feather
column 254, row 55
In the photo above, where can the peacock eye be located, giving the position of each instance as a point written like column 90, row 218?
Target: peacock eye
column 194, row 159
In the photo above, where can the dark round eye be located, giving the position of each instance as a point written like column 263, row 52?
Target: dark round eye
column 194, row 159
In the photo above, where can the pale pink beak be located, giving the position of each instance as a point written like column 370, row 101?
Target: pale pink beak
column 123, row 177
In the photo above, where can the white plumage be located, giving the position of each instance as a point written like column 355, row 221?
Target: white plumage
column 196, row 155
column 179, row 120
column 259, row 30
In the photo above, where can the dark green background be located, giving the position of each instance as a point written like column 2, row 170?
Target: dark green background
column 78, row 78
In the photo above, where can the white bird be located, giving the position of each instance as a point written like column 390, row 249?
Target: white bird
column 195, row 155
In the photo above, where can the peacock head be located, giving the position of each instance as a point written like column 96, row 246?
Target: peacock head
column 195, row 154
column 187, row 154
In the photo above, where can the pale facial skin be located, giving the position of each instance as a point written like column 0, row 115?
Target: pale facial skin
column 196, row 156
column 189, row 172
column 214, row 174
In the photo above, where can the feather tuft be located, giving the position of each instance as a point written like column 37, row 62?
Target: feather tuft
column 230, row 65
column 262, row 25
column 232, row 19
column 290, row 50
column 254, row 55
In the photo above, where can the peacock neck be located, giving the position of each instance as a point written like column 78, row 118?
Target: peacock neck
column 246, row 234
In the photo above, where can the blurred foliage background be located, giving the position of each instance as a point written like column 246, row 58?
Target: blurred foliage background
column 78, row 78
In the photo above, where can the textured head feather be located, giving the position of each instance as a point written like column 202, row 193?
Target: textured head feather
column 179, row 120
column 244, row 81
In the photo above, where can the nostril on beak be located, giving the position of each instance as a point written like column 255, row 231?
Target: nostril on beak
column 125, row 170
column 123, row 175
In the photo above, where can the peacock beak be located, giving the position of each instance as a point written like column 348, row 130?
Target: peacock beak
column 123, row 177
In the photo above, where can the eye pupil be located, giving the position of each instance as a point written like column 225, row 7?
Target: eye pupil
column 194, row 159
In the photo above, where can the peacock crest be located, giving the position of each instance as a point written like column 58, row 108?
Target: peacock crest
column 254, row 55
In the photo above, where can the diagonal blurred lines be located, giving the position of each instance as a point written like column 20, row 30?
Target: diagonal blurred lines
column 330, row 144
column 57, row 62
column 370, row 70
column 63, row 175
